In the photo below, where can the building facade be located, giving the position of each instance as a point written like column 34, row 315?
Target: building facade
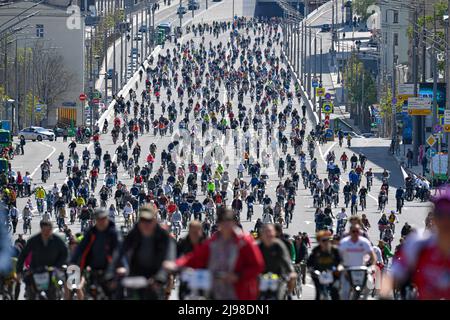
column 58, row 29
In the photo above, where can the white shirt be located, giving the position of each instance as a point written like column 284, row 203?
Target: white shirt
column 353, row 253
column 342, row 215
column 378, row 253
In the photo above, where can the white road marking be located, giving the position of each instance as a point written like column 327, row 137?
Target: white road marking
column 48, row 156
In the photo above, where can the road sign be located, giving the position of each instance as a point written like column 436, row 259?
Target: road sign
column 446, row 127
column 327, row 107
column 431, row 140
column 97, row 95
column 406, row 89
column 328, row 96
column 326, row 123
column 82, row 97
column 431, row 152
column 419, row 106
column 95, row 101
column 437, row 128
column 446, row 116
column 320, row 92
column 315, row 83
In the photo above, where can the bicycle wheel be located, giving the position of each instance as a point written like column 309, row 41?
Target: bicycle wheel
column 299, row 288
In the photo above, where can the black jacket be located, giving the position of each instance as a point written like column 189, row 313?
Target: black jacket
column 83, row 253
column 54, row 254
column 131, row 245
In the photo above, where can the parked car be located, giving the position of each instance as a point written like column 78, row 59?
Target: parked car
column 57, row 131
column 143, row 28
column 181, row 10
column 138, row 37
column 193, row 5
column 368, row 135
column 325, row 28
column 37, row 133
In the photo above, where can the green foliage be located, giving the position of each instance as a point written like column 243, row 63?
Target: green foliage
column 360, row 7
column 353, row 76
column 3, row 95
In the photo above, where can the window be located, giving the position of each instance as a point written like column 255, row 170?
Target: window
column 395, row 39
column 395, row 16
column 40, row 30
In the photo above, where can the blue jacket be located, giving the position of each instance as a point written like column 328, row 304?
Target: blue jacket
column 353, row 177
column 197, row 207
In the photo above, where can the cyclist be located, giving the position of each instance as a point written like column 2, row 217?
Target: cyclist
column 276, row 257
column 146, row 247
column 344, row 159
column 47, row 250
column 324, row 257
column 353, row 250
column 235, row 274
column 400, row 199
column 369, row 178
column 95, row 251
column 427, row 253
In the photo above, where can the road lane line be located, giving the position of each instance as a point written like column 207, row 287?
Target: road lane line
column 48, row 156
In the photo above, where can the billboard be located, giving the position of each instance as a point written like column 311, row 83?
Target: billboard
column 426, row 91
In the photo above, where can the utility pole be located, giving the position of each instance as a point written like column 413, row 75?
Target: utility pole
column 301, row 61
column 435, row 74
column 321, row 60
column 309, row 64
column 105, row 50
column 114, row 80
column 305, row 53
column 416, row 121
column 447, row 73
column 315, row 66
column 143, row 55
column 33, row 78
column 332, row 26
column 181, row 16
column 15, row 108
column 394, row 84
column 121, row 54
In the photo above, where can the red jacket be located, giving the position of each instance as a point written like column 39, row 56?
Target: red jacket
column 249, row 264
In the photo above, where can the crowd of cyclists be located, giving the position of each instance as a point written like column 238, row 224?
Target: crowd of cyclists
column 180, row 219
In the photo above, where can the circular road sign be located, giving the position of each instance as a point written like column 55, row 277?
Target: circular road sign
column 82, row 97
column 328, row 96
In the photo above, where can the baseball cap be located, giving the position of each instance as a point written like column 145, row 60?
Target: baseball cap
column 147, row 212
column 100, row 213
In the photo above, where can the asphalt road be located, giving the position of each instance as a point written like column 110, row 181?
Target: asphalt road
column 303, row 220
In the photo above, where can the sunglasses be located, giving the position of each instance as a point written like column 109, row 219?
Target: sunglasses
column 354, row 231
column 325, row 240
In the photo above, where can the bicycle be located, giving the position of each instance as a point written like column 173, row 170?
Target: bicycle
column 27, row 225
column 363, row 203
column 399, row 205
column 249, row 212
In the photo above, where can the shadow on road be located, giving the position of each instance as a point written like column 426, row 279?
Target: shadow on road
column 380, row 156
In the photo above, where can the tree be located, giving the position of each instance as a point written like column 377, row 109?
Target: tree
column 52, row 78
column 360, row 7
column 354, row 84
